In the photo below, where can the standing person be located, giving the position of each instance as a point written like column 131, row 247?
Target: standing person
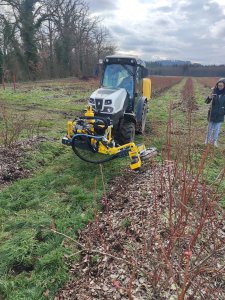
column 216, row 112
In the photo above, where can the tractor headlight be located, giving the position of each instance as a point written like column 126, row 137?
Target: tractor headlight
column 108, row 102
column 108, row 109
column 91, row 100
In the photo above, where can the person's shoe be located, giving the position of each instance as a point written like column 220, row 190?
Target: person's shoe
column 215, row 144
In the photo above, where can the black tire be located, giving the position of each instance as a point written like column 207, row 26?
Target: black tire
column 82, row 147
column 126, row 132
column 140, row 128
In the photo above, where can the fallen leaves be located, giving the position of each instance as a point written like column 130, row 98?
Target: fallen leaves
column 141, row 255
column 11, row 158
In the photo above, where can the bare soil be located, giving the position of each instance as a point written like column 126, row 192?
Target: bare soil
column 11, row 158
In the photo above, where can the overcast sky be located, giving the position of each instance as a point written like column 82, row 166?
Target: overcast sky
column 166, row 29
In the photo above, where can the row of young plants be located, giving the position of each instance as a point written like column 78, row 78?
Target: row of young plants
column 188, row 95
column 204, row 168
column 189, row 125
column 208, row 82
column 162, row 83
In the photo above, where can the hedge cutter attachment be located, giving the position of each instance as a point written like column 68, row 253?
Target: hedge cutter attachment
column 92, row 141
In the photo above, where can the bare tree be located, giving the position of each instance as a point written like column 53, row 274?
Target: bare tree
column 28, row 17
column 53, row 38
column 79, row 37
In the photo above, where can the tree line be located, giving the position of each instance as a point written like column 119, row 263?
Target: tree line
column 186, row 69
column 50, row 39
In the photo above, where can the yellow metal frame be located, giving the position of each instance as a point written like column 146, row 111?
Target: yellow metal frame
column 134, row 152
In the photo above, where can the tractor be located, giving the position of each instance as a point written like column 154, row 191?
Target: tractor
column 115, row 112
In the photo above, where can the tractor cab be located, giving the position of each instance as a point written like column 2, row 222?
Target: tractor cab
column 123, row 96
column 117, row 76
column 124, row 72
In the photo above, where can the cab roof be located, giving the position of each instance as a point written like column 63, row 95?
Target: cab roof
column 124, row 59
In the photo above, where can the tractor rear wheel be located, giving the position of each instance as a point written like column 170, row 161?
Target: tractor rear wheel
column 126, row 132
column 140, row 128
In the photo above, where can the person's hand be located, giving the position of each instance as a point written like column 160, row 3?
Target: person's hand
column 211, row 96
column 209, row 99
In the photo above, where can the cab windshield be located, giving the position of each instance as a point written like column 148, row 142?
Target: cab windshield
column 119, row 76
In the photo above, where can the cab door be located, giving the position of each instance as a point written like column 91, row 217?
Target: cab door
column 138, row 85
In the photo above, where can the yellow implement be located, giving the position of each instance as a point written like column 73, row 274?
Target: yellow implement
column 92, row 140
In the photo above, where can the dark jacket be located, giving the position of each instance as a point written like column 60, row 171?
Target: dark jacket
column 217, row 108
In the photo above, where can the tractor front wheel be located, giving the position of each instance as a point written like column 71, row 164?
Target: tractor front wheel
column 126, row 132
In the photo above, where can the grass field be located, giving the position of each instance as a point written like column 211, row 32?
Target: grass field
column 58, row 193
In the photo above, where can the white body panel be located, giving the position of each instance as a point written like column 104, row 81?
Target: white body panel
column 117, row 96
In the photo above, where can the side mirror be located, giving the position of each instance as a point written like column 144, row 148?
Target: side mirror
column 145, row 72
column 100, row 61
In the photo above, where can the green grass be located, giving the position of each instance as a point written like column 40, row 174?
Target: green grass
column 159, row 113
column 45, row 106
column 60, row 196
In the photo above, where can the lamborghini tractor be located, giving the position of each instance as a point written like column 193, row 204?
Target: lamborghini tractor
column 115, row 112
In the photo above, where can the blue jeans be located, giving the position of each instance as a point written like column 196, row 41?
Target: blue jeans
column 213, row 132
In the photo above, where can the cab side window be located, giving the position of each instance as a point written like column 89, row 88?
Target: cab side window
column 139, row 80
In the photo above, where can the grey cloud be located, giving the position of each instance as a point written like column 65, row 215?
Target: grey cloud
column 102, row 5
column 120, row 30
column 191, row 30
column 163, row 22
column 194, row 10
column 199, row 24
column 165, row 9
column 149, row 48
column 134, row 43
column 150, row 45
column 218, row 29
